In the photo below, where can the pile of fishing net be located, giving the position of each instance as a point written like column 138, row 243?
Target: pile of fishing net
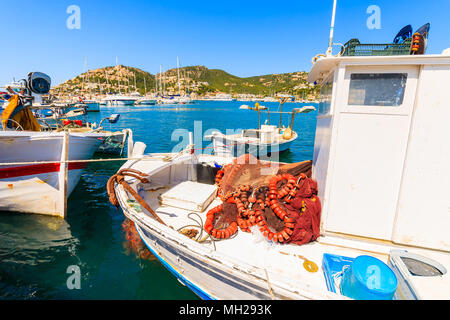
column 133, row 243
column 281, row 199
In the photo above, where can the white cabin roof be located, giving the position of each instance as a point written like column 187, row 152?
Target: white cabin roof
column 324, row 66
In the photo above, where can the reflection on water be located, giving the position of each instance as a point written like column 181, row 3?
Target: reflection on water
column 35, row 251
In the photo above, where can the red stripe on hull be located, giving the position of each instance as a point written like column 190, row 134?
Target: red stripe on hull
column 35, row 169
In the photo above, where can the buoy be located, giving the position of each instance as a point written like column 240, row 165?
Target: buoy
column 287, row 134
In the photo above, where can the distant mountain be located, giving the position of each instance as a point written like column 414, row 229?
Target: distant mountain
column 197, row 80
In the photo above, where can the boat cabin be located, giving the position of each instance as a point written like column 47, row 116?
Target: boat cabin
column 381, row 150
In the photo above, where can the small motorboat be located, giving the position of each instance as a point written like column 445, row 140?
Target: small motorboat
column 64, row 117
column 261, row 142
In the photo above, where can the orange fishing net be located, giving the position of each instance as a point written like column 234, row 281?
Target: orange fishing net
column 281, row 199
column 133, row 243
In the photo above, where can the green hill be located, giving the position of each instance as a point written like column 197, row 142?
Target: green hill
column 197, row 80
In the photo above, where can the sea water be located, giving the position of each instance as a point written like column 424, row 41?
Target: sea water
column 40, row 255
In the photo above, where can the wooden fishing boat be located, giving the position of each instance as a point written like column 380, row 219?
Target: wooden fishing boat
column 35, row 173
column 382, row 177
column 32, row 178
column 261, row 142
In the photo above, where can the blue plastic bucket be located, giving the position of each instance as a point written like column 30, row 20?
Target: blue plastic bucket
column 368, row 278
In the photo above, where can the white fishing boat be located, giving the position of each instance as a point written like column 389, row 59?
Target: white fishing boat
column 261, row 142
column 64, row 117
column 35, row 175
column 382, row 174
column 32, row 178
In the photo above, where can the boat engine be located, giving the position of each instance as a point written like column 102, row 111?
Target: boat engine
column 38, row 83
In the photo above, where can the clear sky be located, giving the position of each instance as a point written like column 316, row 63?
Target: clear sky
column 245, row 37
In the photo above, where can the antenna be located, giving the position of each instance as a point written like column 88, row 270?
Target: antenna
column 330, row 44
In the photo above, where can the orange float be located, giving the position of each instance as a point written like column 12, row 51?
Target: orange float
column 218, row 233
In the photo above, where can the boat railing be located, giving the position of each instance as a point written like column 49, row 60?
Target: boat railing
column 355, row 48
column 17, row 128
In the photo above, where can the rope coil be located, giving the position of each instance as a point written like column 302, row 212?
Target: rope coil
column 119, row 178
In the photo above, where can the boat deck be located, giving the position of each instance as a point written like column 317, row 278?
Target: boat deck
column 280, row 261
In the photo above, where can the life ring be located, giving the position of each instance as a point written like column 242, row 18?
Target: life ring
column 219, row 233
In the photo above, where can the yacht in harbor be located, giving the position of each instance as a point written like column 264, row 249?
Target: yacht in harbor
column 148, row 101
column 119, row 100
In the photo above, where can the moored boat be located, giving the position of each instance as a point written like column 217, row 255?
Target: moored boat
column 381, row 184
column 119, row 100
column 261, row 142
column 145, row 101
column 31, row 174
column 39, row 166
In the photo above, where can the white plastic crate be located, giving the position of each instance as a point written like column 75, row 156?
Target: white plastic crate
column 189, row 195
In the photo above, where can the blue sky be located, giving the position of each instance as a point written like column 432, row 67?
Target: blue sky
column 245, row 38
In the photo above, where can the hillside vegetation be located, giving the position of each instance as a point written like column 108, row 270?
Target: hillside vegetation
column 197, row 80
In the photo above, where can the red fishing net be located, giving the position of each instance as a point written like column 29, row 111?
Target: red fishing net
column 133, row 243
column 281, row 199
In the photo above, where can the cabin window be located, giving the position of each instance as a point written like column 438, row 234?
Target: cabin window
column 325, row 96
column 377, row 89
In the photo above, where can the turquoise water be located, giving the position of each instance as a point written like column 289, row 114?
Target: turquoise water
column 35, row 251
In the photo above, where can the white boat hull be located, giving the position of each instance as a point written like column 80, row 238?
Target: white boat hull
column 209, row 279
column 36, row 187
column 120, row 103
column 149, row 102
column 206, row 271
column 243, row 267
column 224, row 146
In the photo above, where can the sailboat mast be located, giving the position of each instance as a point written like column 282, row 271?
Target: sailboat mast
column 107, row 82
column 164, row 84
column 118, row 80
column 160, row 80
column 128, row 81
column 187, row 84
column 145, row 87
column 83, row 86
column 178, row 74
